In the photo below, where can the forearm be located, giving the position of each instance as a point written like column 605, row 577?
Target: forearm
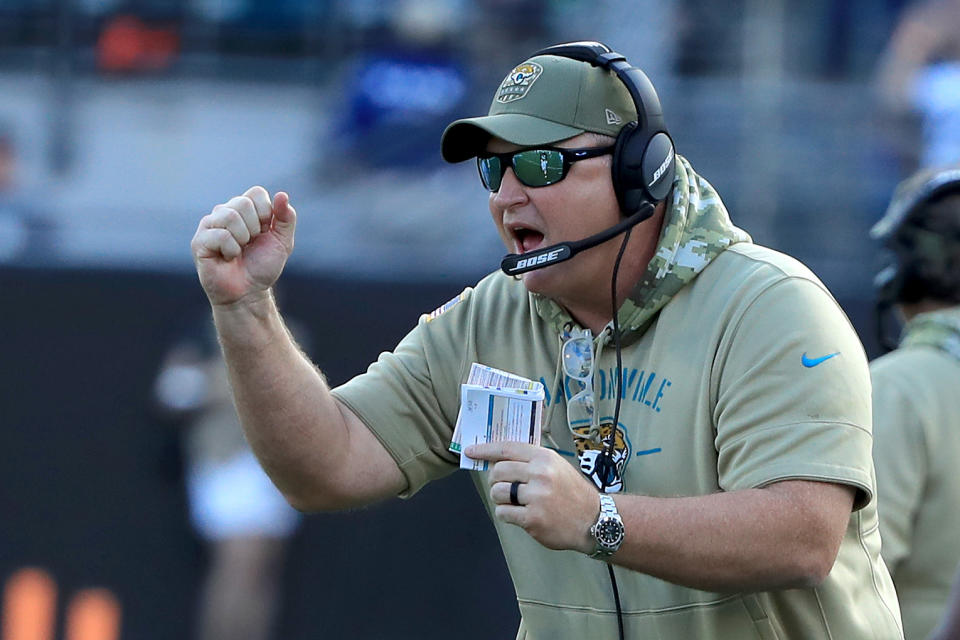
column 285, row 407
column 782, row 536
column 750, row 540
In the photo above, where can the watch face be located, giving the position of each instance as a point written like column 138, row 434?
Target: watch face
column 609, row 532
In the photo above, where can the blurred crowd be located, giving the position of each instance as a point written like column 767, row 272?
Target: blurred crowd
column 785, row 103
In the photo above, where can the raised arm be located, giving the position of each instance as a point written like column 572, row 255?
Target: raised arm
column 317, row 452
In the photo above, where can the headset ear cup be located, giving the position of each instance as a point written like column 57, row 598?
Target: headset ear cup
column 626, row 170
column 888, row 283
column 644, row 160
column 658, row 167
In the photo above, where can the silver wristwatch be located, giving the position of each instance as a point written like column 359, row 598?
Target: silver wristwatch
column 607, row 532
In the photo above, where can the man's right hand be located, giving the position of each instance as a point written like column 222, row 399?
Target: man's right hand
column 242, row 245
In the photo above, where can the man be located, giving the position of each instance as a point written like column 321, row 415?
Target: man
column 916, row 404
column 737, row 429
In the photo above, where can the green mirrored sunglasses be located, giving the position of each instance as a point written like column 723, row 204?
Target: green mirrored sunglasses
column 533, row 167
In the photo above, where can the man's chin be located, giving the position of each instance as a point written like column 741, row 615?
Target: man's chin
column 540, row 281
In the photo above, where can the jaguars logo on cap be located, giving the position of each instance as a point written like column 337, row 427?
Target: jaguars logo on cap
column 518, row 82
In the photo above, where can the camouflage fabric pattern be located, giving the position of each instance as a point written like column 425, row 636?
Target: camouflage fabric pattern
column 696, row 229
column 938, row 329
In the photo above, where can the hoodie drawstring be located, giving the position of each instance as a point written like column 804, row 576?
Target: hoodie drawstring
column 600, row 341
column 554, row 387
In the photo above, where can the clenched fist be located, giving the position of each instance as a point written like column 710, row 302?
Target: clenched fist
column 242, row 245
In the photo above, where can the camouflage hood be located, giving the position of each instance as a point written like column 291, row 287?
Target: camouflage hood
column 696, row 229
column 938, row 329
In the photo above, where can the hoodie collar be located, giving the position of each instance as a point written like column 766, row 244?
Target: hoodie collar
column 696, row 229
column 938, row 329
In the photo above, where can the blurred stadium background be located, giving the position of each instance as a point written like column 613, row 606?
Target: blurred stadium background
column 123, row 122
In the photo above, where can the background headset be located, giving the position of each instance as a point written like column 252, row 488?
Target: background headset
column 903, row 261
column 643, row 165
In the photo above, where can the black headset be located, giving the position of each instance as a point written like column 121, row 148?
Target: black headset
column 644, row 161
column 890, row 281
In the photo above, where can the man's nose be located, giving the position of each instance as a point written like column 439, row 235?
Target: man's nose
column 511, row 190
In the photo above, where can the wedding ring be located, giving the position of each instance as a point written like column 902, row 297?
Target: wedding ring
column 514, row 498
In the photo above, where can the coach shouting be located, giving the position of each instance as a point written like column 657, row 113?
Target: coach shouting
column 706, row 469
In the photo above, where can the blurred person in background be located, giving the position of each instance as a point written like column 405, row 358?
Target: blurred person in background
column 414, row 75
column 916, row 395
column 26, row 237
column 919, row 86
column 243, row 520
column 401, row 92
column 706, row 469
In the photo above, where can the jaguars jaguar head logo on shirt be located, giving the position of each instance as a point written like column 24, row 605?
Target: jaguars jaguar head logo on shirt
column 606, row 476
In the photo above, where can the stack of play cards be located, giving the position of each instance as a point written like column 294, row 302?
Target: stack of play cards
column 496, row 406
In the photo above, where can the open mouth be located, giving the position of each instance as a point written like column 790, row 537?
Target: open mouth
column 527, row 239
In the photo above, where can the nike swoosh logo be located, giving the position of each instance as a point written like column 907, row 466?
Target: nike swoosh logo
column 812, row 362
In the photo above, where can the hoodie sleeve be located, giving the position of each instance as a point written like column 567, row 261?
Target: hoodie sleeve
column 409, row 397
column 793, row 393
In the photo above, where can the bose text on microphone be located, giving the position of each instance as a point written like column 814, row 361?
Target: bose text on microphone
column 517, row 263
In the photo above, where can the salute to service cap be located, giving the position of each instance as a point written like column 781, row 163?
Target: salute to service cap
column 541, row 101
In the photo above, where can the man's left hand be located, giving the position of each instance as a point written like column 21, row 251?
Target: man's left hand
column 557, row 504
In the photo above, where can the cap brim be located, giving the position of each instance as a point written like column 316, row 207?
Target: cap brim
column 466, row 138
